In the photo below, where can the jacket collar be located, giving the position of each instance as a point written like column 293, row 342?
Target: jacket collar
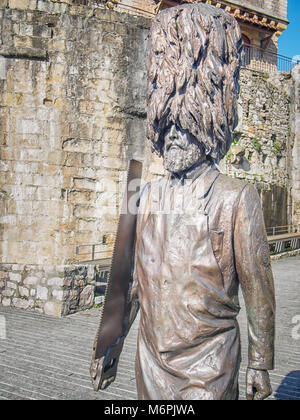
column 192, row 173
column 203, row 176
column 208, row 180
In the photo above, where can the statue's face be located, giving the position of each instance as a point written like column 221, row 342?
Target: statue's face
column 181, row 150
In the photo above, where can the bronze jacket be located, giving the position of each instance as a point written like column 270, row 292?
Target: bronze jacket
column 188, row 267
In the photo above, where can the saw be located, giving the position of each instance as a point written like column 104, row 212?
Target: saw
column 117, row 312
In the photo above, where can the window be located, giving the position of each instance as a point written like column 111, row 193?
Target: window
column 247, row 50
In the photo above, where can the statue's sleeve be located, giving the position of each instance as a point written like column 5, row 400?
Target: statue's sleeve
column 144, row 195
column 255, row 276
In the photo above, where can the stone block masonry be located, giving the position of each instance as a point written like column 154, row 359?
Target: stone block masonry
column 262, row 141
column 72, row 110
column 49, row 289
column 271, row 7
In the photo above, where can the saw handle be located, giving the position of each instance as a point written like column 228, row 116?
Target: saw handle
column 103, row 371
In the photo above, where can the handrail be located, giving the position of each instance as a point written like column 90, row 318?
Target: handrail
column 265, row 60
column 93, row 253
column 275, row 230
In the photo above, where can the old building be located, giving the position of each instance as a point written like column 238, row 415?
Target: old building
column 72, row 114
column 261, row 22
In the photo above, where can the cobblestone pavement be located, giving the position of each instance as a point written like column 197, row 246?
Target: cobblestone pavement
column 43, row 357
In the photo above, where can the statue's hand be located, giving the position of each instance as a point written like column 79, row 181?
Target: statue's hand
column 258, row 384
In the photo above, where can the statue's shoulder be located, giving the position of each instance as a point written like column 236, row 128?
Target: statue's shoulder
column 231, row 184
column 149, row 190
column 231, row 188
column 154, row 185
column 234, row 189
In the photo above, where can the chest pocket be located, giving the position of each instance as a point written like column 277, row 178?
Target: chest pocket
column 216, row 237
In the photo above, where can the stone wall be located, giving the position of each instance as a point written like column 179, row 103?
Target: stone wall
column 72, row 114
column 50, row 289
column 276, row 8
column 261, row 149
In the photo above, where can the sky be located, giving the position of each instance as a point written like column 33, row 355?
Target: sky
column 289, row 41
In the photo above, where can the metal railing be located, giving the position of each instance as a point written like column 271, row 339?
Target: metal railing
column 265, row 60
column 95, row 251
column 280, row 238
column 281, row 230
column 283, row 239
column 90, row 252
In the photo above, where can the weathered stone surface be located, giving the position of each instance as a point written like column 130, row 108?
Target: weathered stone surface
column 55, row 282
column 11, row 285
column 53, row 308
column 263, row 135
column 6, row 301
column 8, row 292
column 67, row 124
column 22, row 4
column 42, row 293
column 86, row 297
column 49, row 289
column 21, row 303
column 30, row 281
column 58, row 294
column 24, row 292
column 15, row 277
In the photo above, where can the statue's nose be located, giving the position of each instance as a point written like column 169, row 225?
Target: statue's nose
column 173, row 133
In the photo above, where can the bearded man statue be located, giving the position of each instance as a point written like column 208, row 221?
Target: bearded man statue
column 200, row 234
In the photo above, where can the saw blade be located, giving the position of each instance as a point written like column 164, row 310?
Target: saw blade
column 114, row 314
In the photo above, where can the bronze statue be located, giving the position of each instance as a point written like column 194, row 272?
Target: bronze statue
column 199, row 234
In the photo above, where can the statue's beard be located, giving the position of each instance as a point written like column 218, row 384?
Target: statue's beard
column 177, row 159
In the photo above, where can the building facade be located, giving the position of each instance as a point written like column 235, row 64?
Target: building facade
column 261, row 22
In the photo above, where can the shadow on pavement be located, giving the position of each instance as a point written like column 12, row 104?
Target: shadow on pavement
column 289, row 389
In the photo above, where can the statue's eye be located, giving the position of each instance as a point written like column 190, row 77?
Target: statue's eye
column 159, row 51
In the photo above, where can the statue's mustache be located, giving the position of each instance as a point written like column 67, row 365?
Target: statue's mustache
column 175, row 144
